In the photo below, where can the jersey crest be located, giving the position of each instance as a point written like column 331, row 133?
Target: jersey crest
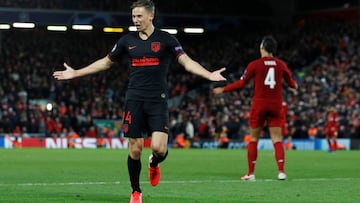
column 155, row 46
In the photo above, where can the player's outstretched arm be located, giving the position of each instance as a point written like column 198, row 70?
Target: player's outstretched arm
column 197, row 69
column 70, row 73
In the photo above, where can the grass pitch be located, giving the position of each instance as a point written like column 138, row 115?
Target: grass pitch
column 188, row 176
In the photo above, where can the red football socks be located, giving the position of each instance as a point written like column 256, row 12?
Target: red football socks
column 279, row 155
column 252, row 156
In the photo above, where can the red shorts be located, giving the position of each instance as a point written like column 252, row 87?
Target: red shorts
column 266, row 112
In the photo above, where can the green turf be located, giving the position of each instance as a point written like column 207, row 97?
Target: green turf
column 188, row 176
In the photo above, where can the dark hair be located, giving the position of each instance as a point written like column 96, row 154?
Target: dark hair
column 269, row 44
column 147, row 4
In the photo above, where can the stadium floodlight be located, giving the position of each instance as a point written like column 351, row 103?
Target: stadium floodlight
column 4, row 26
column 171, row 31
column 56, row 28
column 82, row 27
column 193, row 30
column 23, row 25
column 132, row 28
column 113, row 29
column 49, row 106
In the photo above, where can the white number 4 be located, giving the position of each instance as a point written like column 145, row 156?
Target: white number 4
column 270, row 78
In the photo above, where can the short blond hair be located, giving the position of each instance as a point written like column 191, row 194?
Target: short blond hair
column 147, row 4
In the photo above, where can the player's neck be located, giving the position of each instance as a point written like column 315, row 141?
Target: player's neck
column 266, row 55
column 145, row 34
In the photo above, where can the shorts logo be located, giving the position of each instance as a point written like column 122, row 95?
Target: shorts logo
column 155, row 46
column 125, row 127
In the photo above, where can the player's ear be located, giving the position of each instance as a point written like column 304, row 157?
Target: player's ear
column 152, row 16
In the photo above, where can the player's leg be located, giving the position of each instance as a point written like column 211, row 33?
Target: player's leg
column 275, row 122
column 334, row 138
column 329, row 141
column 134, row 163
column 329, row 138
column 158, row 122
column 276, row 137
column 133, row 126
column 159, row 153
column 159, row 142
column 134, row 168
column 252, row 153
column 335, row 145
column 256, row 123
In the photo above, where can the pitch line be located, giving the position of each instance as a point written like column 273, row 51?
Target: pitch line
column 176, row 182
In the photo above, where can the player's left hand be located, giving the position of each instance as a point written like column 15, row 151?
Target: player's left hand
column 293, row 90
column 216, row 75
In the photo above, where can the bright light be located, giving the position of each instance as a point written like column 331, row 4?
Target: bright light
column 23, row 25
column 49, row 106
column 4, row 26
column 82, row 27
column 113, row 29
column 132, row 28
column 193, row 30
column 56, row 28
column 171, row 31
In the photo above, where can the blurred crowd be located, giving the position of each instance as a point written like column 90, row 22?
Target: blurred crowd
column 172, row 7
column 104, row 5
column 323, row 58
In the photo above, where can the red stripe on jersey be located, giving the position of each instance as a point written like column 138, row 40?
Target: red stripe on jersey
column 145, row 62
column 109, row 57
column 179, row 54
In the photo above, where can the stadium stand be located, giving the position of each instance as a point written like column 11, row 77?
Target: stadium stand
column 326, row 67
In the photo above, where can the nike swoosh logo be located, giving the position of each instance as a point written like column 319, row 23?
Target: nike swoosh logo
column 132, row 47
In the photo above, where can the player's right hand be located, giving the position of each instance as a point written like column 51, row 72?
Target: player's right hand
column 216, row 75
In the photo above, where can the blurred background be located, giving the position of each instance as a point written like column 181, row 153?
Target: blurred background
column 319, row 40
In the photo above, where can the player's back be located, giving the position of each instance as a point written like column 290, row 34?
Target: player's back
column 268, row 74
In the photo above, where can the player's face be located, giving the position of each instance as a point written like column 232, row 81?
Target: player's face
column 141, row 18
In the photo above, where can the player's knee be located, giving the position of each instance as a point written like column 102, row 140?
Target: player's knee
column 135, row 153
column 159, row 149
column 135, row 149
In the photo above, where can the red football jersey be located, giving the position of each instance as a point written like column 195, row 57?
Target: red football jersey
column 332, row 120
column 332, row 124
column 268, row 74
